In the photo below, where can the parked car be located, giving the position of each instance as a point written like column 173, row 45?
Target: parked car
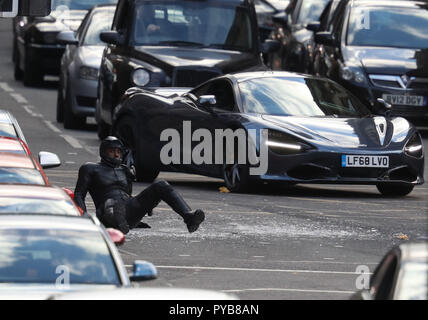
column 9, row 126
column 378, row 49
column 180, row 44
column 295, row 38
column 401, row 275
column 37, row 199
column 42, row 255
column 80, row 63
column 318, row 132
column 36, row 51
column 17, row 164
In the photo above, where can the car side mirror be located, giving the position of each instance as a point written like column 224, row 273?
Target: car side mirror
column 143, row 271
column 111, row 37
column 280, row 18
column 384, row 107
column 48, row 160
column 313, row 26
column 325, row 38
column 270, row 46
column 66, row 37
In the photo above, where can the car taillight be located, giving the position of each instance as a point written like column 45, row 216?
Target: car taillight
column 116, row 236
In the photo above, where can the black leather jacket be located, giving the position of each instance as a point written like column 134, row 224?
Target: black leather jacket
column 103, row 181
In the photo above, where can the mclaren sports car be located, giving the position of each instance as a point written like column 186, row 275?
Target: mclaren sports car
column 299, row 129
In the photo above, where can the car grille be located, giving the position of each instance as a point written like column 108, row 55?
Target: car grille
column 397, row 82
column 190, row 77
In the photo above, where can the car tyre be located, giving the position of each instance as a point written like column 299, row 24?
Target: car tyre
column 71, row 121
column 146, row 170
column 394, row 189
column 32, row 75
column 236, row 177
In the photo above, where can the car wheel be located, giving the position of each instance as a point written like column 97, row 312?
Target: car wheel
column 236, row 177
column 145, row 168
column 59, row 104
column 71, row 121
column 32, row 75
column 394, row 189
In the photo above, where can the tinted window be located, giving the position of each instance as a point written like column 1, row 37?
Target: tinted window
column 101, row 21
column 192, row 23
column 311, row 10
column 21, row 175
column 79, row 4
column 34, row 256
column 388, row 27
column 26, row 205
column 299, row 97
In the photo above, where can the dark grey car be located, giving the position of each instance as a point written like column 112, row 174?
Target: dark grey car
column 77, row 89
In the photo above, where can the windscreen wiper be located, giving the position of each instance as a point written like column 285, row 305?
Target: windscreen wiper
column 180, row 43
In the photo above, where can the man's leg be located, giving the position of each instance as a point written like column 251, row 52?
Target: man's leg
column 150, row 197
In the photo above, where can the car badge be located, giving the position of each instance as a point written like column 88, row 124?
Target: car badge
column 406, row 80
column 380, row 123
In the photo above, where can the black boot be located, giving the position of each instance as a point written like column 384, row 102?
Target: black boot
column 193, row 220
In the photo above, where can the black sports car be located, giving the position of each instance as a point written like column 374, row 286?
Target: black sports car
column 312, row 129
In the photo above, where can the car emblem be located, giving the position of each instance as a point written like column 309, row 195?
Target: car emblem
column 405, row 81
column 380, row 123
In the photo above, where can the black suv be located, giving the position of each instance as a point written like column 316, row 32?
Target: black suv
column 379, row 50
column 178, row 43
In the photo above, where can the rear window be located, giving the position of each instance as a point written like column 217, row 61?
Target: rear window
column 51, row 255
column 21, row 176
column 34, row 206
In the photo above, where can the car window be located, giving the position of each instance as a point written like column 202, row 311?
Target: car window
column 30, row 255
column 7, row 130
column 101, row 21
column 222, row 90
column 413, row 284
column 78, row 4
column 34, row 206
column 388, row 27
column 21, row 176
column 311, row 10
column 218, row 25
column 307, row 97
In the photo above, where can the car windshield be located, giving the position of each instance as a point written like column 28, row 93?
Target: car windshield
column 311, row 10
column 77, row 4
column 388, row 27
column 34, row 206
column 21, row 176
column 414, row 281
column 52, row 256
column 193, row 23
column 100, row 21
column 306, row 97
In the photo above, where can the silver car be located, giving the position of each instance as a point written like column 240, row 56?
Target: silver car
column 77, row 89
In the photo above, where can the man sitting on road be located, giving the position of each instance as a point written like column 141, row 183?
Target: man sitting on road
column 109, row 183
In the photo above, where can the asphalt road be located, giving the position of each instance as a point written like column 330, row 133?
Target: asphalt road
column 302, row 242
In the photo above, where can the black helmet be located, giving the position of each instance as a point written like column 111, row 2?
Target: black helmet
column 109, row 143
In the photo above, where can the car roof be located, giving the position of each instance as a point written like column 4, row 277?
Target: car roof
column 5, row 116
column 32, row 191
column 29, row 221
column 16, row 160
column 414, row 251
column 244, row 76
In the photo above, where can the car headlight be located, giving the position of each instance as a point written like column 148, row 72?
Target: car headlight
column 283, row 144
column 352, row 74
column 140, row 77
column 88, row 73
column 414, row 146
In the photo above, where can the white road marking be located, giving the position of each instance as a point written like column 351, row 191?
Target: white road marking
column 72, row 141
column 52, row 127
column 5, row 87
column 19, row 98
column 289, row 290
column 256, row 270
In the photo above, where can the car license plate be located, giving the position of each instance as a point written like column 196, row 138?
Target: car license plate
column 396, row 99
column 362, row 161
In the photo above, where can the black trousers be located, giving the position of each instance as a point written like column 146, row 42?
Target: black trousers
column 135, row 208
